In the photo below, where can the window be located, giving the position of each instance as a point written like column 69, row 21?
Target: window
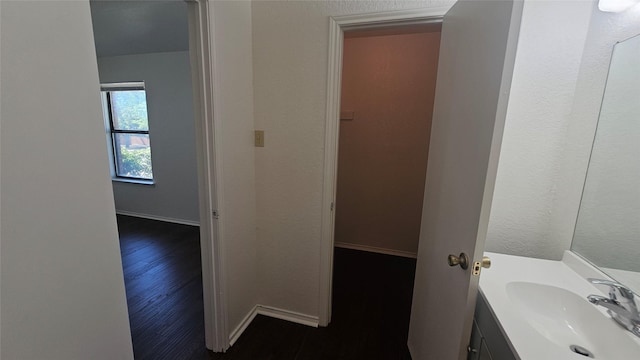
column 126, row 121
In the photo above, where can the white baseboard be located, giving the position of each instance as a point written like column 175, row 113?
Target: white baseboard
column 159, row 218
column 374, row 249
column 273, row 312
column 235, row 334
column 287, row 315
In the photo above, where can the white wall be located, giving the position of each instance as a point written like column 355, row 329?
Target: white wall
column 167, row 78
column 62, row 287
column 604, row 31
column 0, row 185
column 525, row 207
column 234, row 114
column 290, row 42
column 535, row 200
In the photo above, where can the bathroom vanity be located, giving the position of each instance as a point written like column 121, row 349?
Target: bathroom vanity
column 538, row 309
column 534, row 309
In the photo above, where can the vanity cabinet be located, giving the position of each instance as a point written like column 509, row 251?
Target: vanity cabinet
column 478, row 345
column 487, row 339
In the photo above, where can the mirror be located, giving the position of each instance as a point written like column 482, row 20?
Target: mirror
column 607, row 231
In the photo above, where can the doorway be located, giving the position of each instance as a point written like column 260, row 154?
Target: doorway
column 388, row 88
column 473, row 90
column 171, row 270
column 339, row 29
column 387, row 94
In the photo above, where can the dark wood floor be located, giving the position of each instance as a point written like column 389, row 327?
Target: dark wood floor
column 163, row 280
column 371, row 303
column 371, row 307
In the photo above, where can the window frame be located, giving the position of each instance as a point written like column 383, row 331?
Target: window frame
column 106, row 89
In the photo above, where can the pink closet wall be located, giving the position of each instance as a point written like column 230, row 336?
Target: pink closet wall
column 389, row 84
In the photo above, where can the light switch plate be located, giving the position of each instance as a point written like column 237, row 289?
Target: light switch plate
column 259, row 138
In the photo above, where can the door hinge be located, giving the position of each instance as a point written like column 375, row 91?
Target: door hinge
column 332, row 206
column 216, row 214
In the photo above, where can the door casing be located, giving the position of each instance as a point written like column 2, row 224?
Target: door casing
column 337, row 26
column 208, row 154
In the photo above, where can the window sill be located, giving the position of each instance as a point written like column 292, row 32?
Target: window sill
column 134, row 181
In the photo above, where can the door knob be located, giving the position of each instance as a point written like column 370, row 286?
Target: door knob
column 462, row 260
column 486, row 262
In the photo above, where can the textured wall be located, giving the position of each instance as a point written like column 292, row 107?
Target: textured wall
column 606, row 232
column 525, row 214
column 290, row 46
column 62, row 287
column 389, row 83
column 167, row 78
column 541, row 165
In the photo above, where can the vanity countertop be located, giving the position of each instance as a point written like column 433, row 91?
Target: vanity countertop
column 542, row 309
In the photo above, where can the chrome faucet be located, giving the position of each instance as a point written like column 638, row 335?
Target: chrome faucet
column 620, row 304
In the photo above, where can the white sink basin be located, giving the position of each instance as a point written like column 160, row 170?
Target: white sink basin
column 564, row 319
column 542, row 308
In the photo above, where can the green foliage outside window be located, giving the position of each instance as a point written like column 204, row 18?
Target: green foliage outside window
column 130, row 110
column 135, row 162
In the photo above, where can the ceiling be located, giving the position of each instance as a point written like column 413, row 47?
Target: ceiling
column 139, row 26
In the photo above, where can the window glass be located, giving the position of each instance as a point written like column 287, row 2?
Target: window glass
column 133, row 155
column 129, row 110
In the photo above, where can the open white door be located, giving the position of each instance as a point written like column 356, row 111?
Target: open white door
column 477, row 54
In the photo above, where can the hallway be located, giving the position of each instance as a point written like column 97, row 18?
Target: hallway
column 371, row 307
column 161, row 261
